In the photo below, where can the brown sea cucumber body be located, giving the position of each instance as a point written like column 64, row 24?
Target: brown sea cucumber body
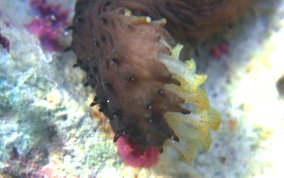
column 119, row 42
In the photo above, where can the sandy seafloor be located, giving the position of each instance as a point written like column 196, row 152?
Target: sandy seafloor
column 47, row 130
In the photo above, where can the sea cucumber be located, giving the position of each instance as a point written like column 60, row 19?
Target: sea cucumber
column 129, row 51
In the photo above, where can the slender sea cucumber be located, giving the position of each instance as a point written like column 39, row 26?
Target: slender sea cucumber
column 128, row 51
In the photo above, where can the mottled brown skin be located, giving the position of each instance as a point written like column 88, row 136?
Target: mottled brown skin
column 188, row 20
column 195, row 20
column 120, row 55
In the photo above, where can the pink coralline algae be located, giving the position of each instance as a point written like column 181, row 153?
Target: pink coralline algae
column 49, row 23
column 134, row 156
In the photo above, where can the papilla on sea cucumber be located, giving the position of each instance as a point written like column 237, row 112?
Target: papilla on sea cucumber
column 128, row 50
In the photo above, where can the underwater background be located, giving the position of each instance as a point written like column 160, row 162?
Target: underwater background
column 48, row 128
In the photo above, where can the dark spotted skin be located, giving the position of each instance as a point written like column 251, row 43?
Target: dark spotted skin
column 120, row 55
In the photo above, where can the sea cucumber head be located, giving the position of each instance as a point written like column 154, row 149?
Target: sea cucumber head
column 140, row 86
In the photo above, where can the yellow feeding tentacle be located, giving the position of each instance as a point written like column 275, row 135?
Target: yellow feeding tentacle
column 191, row 65
column 161, row 21
column 193, row 129
column 214, row 119
column 195, row 134
column 176, row 51
column 186, row 152
column 198, row 98
column 182, row 73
